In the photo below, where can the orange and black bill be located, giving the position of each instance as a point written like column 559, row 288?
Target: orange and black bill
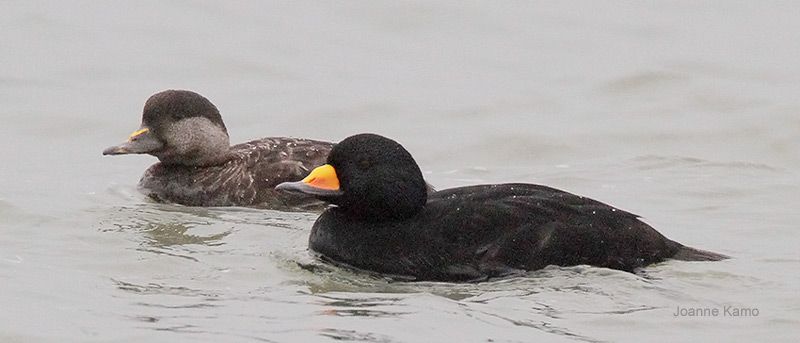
column 322, row 182
column 141, row 141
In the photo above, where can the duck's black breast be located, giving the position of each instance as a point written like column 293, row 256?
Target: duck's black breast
column 247, row 179
column 477, row 232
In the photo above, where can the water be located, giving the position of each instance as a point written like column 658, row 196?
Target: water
column 686, row 113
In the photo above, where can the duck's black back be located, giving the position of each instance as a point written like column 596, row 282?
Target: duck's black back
column 247, row 179
column 477, row 232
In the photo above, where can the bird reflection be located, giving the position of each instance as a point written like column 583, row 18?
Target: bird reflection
column 169, row 234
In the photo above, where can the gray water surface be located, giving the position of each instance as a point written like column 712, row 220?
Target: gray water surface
column 687, row 113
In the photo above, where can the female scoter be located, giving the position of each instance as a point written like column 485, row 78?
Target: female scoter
column 198, row 167
column 385, row 222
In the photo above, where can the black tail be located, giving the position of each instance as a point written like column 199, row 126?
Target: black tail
column 691, row 254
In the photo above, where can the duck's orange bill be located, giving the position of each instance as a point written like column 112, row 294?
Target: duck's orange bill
column 138, row 133
column 323, row 177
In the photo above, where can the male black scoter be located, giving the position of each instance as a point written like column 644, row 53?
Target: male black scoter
column 198, row 167
column 385, row 222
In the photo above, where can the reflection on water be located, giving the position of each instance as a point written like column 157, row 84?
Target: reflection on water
column 165, row 235
column 169, row 229
column 378, row 306
column 354, row 336
column 153, row 288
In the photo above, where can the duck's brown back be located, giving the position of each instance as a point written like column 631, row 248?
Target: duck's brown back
column 247, row 179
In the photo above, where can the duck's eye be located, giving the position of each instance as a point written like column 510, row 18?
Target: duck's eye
column 363, row 164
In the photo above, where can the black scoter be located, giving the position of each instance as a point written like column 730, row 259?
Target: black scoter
column 198, row 167
column 385, row 222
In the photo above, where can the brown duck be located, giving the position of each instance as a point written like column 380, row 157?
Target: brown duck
column 198, row 166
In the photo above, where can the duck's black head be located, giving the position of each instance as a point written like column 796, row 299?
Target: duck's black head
column 179, row 127
column 369, row 177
